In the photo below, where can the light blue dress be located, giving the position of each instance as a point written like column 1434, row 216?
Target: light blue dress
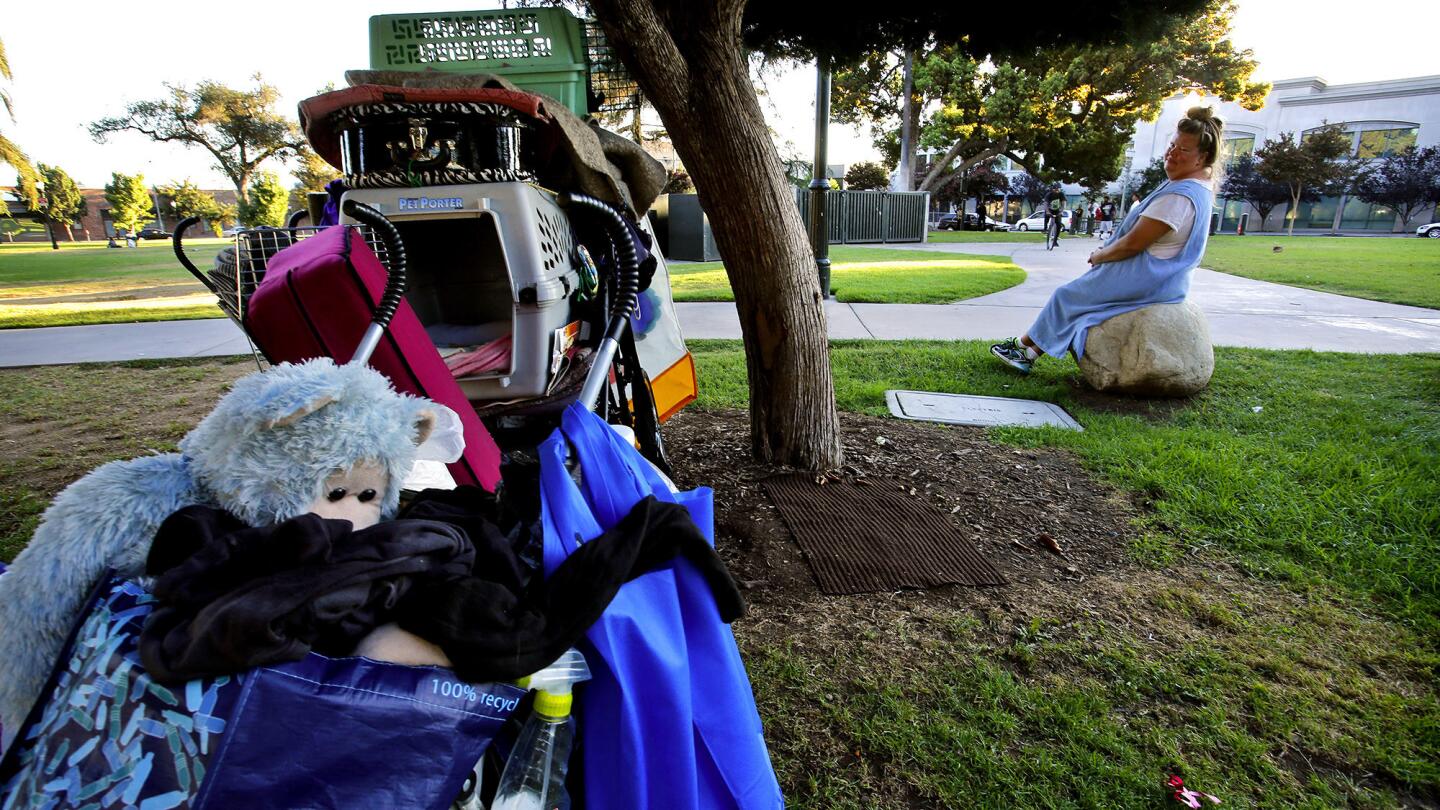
column 1112, row 288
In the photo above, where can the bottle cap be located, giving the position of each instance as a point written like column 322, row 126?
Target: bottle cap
column 553, row 705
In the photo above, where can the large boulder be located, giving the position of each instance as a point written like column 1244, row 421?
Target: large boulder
column 1160, row 350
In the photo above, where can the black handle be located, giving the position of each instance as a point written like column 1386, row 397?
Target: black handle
column 293, row 221
column 627, row 287
column 395, row 248
column 185, row 262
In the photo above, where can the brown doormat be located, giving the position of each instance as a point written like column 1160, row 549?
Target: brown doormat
column 873, row 537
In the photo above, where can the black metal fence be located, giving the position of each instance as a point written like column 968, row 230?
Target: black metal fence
column 871, row 216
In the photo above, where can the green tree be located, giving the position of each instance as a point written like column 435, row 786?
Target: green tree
column 1064, row 112
column 29, row 179
column 239, row 128
column 678, row 183
column 1313, row 164
column 189, row 200
column 266, row 203
column 691, row 60
column 1408, row 181
column 129, row 200
column 60, row 202
column 1244, row 182
column 312, row 173
column 867, row 176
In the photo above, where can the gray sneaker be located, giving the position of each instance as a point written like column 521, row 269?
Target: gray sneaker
column 1013, row 355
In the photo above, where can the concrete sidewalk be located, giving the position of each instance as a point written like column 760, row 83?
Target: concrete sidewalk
column 1241, row 312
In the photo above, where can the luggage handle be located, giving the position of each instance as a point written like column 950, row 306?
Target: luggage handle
column 177, row 239
column 395, row 281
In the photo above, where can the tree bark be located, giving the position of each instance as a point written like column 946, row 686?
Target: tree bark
column 690, row 62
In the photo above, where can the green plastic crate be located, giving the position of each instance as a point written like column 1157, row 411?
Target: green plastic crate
column 539, row 49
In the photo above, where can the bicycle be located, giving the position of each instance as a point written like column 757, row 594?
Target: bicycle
column 1052, row 232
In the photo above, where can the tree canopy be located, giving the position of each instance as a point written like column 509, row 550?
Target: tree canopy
column 239, row 128
column 10, row 153
column 189, row 200
column 867, row 176
column 266, row 203
column 60, row 201
column 1065, row 111
column 1312, row 164
column 1408, row 181
column 129, row 200
column 311, row 174
column 1244, row 182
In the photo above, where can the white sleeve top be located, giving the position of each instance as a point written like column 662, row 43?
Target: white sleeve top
column 1178, row 212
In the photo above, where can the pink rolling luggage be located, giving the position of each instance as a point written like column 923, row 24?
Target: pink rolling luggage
column 317, row 299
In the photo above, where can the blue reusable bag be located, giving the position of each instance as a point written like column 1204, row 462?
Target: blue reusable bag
column 669, row 720
column 318, row 732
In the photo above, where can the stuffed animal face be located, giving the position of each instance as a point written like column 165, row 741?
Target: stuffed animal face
column 354, row 495
column 285, row 442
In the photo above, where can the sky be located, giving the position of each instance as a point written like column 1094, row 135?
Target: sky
column 107, row 58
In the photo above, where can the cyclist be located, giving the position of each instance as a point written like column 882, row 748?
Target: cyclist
column 1054, row 209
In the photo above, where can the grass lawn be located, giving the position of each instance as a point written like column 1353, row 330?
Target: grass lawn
column 874, row 276
column 1400, row 271
column 1315, row 474
column 88, row 283
column 1276, row 639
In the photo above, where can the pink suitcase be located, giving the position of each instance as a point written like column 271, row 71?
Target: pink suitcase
column 317, row 298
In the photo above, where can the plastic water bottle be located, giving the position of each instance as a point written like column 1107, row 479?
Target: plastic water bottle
column 534, row 776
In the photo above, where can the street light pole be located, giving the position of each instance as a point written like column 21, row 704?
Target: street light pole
column 819, row 184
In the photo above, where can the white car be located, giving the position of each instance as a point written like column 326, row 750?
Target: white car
column 1432, row 230
column 1036, row 222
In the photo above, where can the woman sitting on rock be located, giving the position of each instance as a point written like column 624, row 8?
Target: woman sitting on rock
column 1147, row 261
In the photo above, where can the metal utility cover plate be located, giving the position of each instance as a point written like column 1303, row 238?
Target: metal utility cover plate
column 966, row 409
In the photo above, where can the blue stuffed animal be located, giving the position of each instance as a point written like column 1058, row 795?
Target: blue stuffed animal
column 309, row 437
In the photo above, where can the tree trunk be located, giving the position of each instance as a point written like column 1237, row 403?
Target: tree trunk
column 50, row 232
column 1293, row 212
column 933, row 178
column 909, row 125
column 690, row 63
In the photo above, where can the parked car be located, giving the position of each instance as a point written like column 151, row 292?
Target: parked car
column 1036, row 222
column 952, row 222
column 153, row 233
column 1432, row 230
column 232, row 231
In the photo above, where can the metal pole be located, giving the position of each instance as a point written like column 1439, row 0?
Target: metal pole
column 819, row 184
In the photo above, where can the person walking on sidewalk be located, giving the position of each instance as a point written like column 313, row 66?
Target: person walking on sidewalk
column 1149, row 260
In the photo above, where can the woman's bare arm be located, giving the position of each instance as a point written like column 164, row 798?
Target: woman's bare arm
column 1142, row 236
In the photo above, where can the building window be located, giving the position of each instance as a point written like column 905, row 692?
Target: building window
column 1233, row 148
column 1376, row 143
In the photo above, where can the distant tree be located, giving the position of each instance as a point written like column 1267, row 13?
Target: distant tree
column 1313, row 164
column 1408, row 181
column 678, row 182
column 266, row 202
column 129, row 199
column 1065, row 110
column 239, row 128
column 1029, row 188
column 60, row 202
column 1149, row 178
column 867, row 176
column 189, row 200
column 312, row 173
column 1244, row 182
column 29, row 179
